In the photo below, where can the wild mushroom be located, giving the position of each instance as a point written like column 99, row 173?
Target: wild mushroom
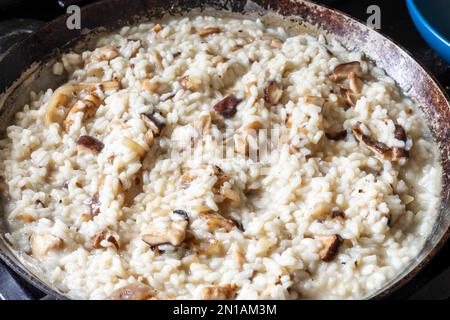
column 154, row 122
column 399, row 153
column 207, row 31
column 172, row 232
column 216, row 221
column 43, row 243
column 223, row 292
column 342, row 71
column 338, row 215
column 105, row 234
column 331, row 246
column 227, row 106
column 376, row 147
column 221, row 177
column 355, row 84
column 134, row 291
column 273, row 93
column 88, row 106
column 90, row 143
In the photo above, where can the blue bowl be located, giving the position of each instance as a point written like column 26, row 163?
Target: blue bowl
column 432, row 19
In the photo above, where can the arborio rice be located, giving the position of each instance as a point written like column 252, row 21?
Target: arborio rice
column 119, row 187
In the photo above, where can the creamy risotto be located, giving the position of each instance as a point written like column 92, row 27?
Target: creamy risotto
column 219, row 158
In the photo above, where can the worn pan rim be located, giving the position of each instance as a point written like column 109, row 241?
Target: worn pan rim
column 391, row 286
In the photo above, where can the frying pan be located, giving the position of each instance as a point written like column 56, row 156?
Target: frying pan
column 26, row 67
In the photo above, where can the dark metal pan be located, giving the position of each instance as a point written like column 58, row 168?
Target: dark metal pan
column 25, row 67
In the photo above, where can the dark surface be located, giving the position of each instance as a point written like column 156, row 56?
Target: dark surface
column 396, row 24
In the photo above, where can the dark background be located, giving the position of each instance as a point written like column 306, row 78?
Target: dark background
column 20, row 17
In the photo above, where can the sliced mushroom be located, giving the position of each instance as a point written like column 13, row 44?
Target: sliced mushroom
column 154, row 122
column 377, row 147
column 207, row 31
column 135, row 291
column 62, row 95
column 399, row 133
column 215, row 222
column 173, row 232
column 340, row 135
column 342, row 71
column 273, row 93
column 331, row 246
column 43, row 243
column 207, row 247
column 223, row 292
column 318, row 101
column 105, row 235
column 227, row 107
column 355, row 84
column 91, row 143
column 88, row 105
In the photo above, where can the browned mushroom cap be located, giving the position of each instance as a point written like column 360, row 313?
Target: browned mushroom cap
column 154, row 123
column 350, row 97
column 227, row 106
column 88, row 106
column 375, row 146
column 216, row 221
column 340, row 135
column 91, row 143
column 135, row 291
column 224, row 292
column 207, row 31
column 273, row 93
column 105, row 234
column 331, row 246
column 342, row 71
column 399, row 133
column 338, row 215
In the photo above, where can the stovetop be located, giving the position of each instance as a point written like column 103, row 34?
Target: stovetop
column 25, row 16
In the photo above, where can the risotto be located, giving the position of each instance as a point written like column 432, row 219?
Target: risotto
column 219, row 158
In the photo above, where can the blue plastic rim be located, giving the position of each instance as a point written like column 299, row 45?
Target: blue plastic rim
column 432, row 19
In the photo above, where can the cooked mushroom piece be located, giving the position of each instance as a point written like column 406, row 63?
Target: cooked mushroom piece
column 153, row 122
column 135, row 291
column 88, row 106
column 331, row 246
column 355, row 84
column 223, row 292
column 172, row 232
column 342, row 71
column 273, row 93
column 207, row 31
column 216, row 221
column 399, row 133
column 377, row 147
column 338, row 215
column 221, row 177
column 105, row 53
column 43, row 243
column 340, row 135
column 134, row 146
column 227, row 106
column 105, row 234
column 350, row 97
column 91, row 143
